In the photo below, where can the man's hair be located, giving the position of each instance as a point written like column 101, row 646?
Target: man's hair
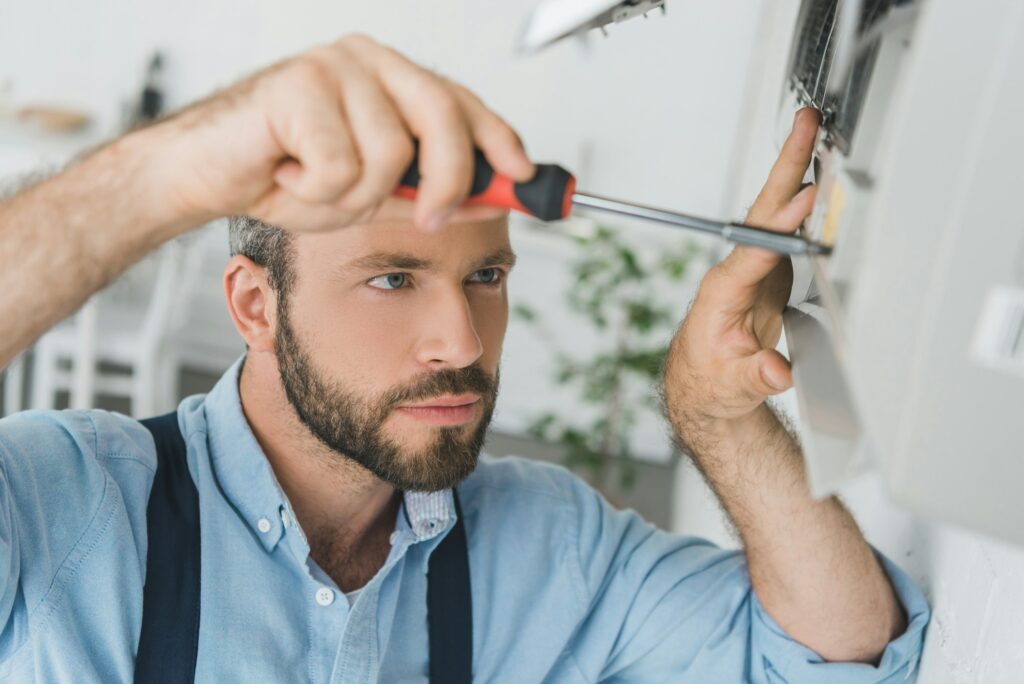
column 267, row 245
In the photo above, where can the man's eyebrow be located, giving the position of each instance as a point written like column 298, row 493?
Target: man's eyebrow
column 383, row 261
column 399, row 261
column 499, row 257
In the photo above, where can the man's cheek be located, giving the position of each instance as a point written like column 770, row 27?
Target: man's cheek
column 492, row 337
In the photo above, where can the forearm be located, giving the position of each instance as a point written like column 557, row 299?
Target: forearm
column 809, row 563
column 65, row 238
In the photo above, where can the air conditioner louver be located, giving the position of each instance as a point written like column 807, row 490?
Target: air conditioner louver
column 812, row 61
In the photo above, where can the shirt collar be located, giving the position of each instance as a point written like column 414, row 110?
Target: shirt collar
column 428, row 513
column 238, row 462
column 248, row 482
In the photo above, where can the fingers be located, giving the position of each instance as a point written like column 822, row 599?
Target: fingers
column 322, row 162
column 746, row 267
column 284, row 209
column 781, row 205
column 792, row 214
column 434, row 116
column 343, row 120
column 739, row 300
column 787, row 174
column 383, row 143
column 498, row 141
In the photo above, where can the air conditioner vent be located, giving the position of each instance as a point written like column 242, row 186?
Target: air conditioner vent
column 811, row 65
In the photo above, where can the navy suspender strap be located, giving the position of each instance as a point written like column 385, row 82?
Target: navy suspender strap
column 450, row 607
column 169, row 641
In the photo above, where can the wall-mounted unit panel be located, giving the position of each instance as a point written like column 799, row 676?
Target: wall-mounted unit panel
column 920, row 170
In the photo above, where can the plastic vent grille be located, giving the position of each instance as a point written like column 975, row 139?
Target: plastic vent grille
column 811, row 66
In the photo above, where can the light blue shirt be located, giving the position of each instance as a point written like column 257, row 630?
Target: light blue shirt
column 565, row 588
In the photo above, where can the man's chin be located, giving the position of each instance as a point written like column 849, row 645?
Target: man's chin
column 418, row 430
column 432, row 471
column 424, row 441
column 434, row 458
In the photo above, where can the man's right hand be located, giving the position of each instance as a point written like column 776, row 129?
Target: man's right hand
column 313, row 143
column 320, row 140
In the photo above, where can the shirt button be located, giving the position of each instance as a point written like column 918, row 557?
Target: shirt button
column 324, row 596
column 284, row 518
column 263, row 525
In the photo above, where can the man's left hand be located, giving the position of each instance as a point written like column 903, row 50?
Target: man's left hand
column 722, row 364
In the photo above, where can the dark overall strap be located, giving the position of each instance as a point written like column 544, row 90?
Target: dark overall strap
column 450, row 607
column 169, row 642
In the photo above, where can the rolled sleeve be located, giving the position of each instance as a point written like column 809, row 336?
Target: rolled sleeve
column 666, row 608
column 778, row 658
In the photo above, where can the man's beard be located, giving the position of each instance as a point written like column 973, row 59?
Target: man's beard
column 354, row 427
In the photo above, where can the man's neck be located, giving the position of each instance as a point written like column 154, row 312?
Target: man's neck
column 346, row 512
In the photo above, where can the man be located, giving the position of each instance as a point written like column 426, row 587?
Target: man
column 325, row 458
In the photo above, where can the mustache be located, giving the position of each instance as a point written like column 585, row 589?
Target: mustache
column 472, row 379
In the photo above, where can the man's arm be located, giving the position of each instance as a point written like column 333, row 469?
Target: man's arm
column 313, row 143
column 67, row 237
column 809, row 564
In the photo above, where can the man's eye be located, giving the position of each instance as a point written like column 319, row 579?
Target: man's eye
column 487, row 276
column 391, row 281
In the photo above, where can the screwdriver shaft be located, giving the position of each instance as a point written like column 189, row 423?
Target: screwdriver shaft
column 733, row 232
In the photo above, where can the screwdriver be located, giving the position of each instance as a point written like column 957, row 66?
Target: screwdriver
column 551, row 194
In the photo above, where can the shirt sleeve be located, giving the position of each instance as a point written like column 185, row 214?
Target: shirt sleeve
column 10, row 556
column 668, row 608
column 56, row 471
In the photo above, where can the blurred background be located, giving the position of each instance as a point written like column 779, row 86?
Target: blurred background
column 680, row 110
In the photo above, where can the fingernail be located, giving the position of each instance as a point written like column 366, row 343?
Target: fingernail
column 773, row 382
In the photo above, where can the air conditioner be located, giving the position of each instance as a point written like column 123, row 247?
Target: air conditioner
column 907, row 341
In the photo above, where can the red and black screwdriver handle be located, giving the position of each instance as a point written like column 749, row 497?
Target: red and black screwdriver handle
column 547, row 196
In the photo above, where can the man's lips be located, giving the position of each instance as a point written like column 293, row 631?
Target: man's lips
column 446, row 401
column 444, row 410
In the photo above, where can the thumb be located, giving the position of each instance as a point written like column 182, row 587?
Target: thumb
column 765, row 374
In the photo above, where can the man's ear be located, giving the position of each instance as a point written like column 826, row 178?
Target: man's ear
column 251, row 302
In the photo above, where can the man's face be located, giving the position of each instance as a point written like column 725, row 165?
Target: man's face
column 389, row 341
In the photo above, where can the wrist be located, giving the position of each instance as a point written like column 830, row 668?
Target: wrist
column 693, row 409
column 724, row 448
column 149, row 157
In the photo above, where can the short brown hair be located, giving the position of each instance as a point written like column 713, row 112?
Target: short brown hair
column 267, row 245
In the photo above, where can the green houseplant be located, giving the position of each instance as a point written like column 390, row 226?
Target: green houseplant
column 615, row 289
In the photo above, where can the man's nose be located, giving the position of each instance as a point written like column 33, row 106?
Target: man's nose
column 449, row 338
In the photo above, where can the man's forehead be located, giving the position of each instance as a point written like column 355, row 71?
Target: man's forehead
column 397, row 210
column 472, row 235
